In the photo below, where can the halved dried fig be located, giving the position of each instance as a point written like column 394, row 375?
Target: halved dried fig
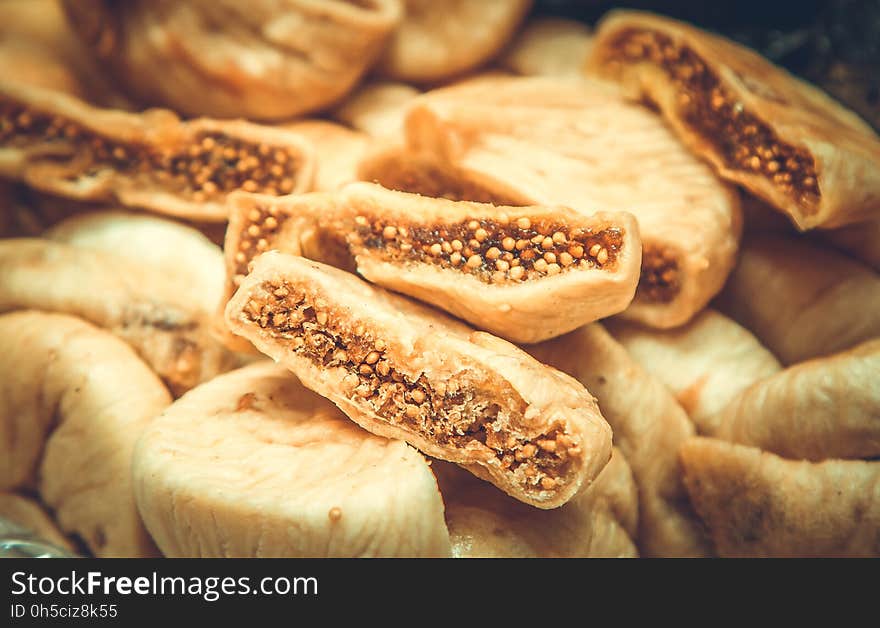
column 781, row 138
column 59, row 144
column 800, row 299
column 649, row 427
column 268, row 59
column 599, row 522
column 74, row 400
column 402, row 370
column 706, row 364
column 29, row 515
column 192, row 264
column 757, row 504
column 437, row 40
column 524, row 273
column 168, row 328
column 822, row 408
column 253, row 464
column 377, row 109
column 567, row 142
column 549, row 46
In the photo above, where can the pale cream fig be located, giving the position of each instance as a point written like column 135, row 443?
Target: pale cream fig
column 523, row 273
column 29, row 515
column 253, row 464
column 73, row 400
column 59, row 144
column 262, row 60
column 402, row 370
column 707, row 363
column 822, row 408
column 377, row 109
column 438, row 40
column 338, row 151
column 549, row 46
column 599, row 522
column 558, row 141
column 649, row 428
column 755, row 503
column 192, row 264
column 801, row 299
column 168, row 329
column 781, row 138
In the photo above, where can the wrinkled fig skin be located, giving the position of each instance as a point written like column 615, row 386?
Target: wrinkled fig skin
column 823, row 408
column 756, row 504
column 135, row 302
column 802, row 300
column 706, row 364
column 549, row 46
column 599, row 522
column 30, row 515
column 782, row 139
column 191, row 263
column 73, row 401
column 649, row 427
column 402, row 370
column 563, row 141
column 261, row 60
column 438, row 40
column 253, row 464
column 522, row 273
column 59, row 144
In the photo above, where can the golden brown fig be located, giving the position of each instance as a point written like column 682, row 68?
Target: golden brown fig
column 58, row 144
column 757, row 504
column 29, row 515
column 549, row 46
column 822, row 408
column 781, row 138
column 377, row 109
column 861, row 241
column 168, row 328
column 402, row 370
column 598, row 522
column 74, row 400
column 802, row 300
column 267, row 59
column 338, row 151
column 706, row 364
column 26, row 62
column 649, row 427
column 437, row 40
column 557, row 141
column 523, row 273
column 192, row 264
column 253, row 464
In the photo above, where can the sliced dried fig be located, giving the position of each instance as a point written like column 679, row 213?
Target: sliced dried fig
column 338, row 151
column 559, row 141
column 437, row 40
column 74, row 399
column 377, row 109
column 822, row 408
column 549, row 46
column 800, row 299
column 757, row 504
column 599, row 522
column 192, row 264
column 267, row 59
column 402, row 370
column 253, row 464
column 649, row 427
column 524, row 273
column 781, row 138
column 29, row 515
column 168, row 329
column 706, row 364
column 58, row 144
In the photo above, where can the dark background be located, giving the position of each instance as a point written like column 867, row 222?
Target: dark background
column 832, row 43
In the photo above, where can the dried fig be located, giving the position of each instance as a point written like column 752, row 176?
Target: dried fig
column 29, row 515
column 549, row 46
